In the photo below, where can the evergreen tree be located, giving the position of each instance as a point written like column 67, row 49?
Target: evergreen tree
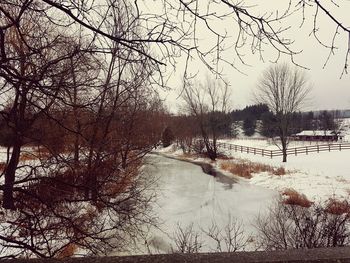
column 249, row 125
column 167, row 137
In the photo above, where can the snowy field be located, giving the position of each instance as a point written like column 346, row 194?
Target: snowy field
column 319, row 176
column 258, row 141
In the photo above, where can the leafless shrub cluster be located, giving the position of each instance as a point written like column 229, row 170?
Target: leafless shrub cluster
column 293, row 226
column 187, row 240
column 229, row 238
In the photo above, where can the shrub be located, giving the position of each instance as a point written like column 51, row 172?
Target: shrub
column 187, row 240
column 295, row 198
column 67, row 251
column 279, row 171
column 198, row 146
column 337, row 207
column 293, row 227
column 229, row 237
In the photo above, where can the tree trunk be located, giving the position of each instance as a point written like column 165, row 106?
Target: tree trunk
column 284, row 156
column 10, row 174
column 76, row 151
column 94, row 188
column 284, row 150
column 212, row 154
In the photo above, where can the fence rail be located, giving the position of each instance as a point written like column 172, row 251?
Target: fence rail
column 291, row 151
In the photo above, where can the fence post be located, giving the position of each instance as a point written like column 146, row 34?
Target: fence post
column 271, row 154
column 339, row 147
column 235, row 148
column 248, row 150
column 318, row 148
column 296, row 151
column 307, row 151
column 263, row 152
column 329, row 147
column 254, row 151
column 241, row 149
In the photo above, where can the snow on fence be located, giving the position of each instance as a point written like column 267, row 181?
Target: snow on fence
column 291, row 151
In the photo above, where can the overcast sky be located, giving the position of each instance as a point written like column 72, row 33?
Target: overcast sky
column 329, row 91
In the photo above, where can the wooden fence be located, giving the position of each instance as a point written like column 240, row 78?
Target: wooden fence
column 290, row 151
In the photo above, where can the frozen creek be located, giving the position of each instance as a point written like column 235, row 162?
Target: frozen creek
column 185, row 195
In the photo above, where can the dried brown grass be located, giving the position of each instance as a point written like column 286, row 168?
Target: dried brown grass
column 239, row 169
column 337, row 207
column 42, row 152
column 26, row 156
column 187, row 156
column 279, row 171
column 68, row 251
column 245, row 168
column 292, row 197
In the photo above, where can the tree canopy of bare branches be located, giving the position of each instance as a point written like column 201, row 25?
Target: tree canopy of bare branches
column 75, row 109
column 284, row 90
column 205, row 102
column 173, row 28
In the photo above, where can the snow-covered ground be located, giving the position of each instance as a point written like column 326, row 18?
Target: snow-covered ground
column 318, row 175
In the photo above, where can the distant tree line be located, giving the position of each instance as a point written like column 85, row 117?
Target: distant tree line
column 300, row 121
column 251, row 119
column 249, row 115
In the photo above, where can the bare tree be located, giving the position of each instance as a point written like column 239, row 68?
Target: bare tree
column 206, row 101
column 32, row 79
column 285, row 91
column 72, row 187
